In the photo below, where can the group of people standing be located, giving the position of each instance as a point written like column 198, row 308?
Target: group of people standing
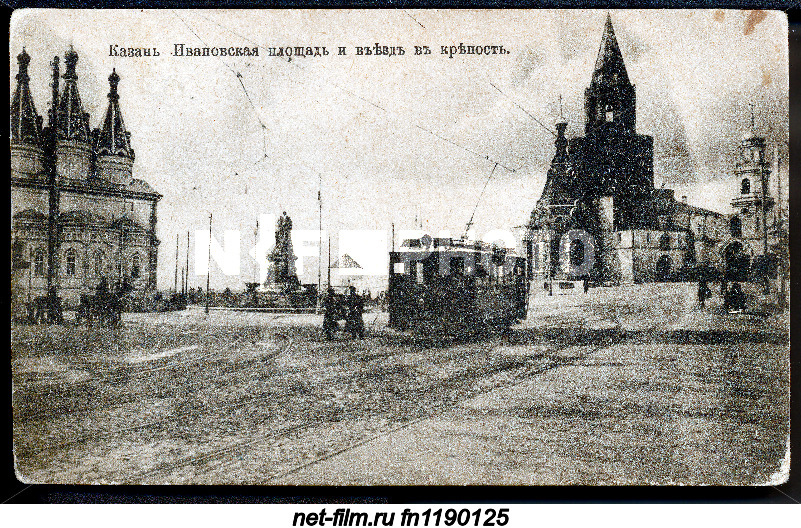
column 338, row 307
column 733, row 296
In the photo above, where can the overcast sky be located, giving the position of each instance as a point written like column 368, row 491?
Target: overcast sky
column 367, row 126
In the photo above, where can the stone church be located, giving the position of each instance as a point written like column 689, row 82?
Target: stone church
column 599, row 215
column 78, row 214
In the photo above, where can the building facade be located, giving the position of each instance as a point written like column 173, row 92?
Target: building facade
column 78, row 214
column 599, row 199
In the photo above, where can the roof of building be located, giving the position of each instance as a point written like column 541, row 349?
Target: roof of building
column 81, row 218
column 346, row 262
column 31, row 215
column 128, row 224
column 697, row 210
column 141, row 186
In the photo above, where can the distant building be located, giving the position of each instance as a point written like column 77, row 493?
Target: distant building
column 602, row 185
column 78, row 214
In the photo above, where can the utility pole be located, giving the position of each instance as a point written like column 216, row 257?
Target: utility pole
column 54, row 197
column 186, row 285
column 175, row 281
column 320, row 245
column 329, row 261
column 208, row 269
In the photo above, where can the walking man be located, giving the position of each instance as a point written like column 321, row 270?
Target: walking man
column 355, row 306
column 330, row 310
column 703, row 292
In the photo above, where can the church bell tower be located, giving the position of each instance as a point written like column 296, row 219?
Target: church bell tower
column 752, row 199
column 609, row 100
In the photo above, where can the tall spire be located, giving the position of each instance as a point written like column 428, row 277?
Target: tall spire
column 26, row 125
column 72, row 123
column 610, row 100
column 609, row 65
column 113, row 139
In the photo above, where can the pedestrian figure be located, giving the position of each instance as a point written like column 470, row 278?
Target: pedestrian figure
column 736, row 298
column 330, row 314
column 54, row 313
column 703, row 292
column 355, row 308
column 586, row 284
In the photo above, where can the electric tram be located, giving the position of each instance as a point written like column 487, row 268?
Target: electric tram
column 455, row 287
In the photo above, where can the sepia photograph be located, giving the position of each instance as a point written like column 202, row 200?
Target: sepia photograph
column 400, row 247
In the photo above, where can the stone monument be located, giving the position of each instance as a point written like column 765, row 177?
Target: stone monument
column 282, row 274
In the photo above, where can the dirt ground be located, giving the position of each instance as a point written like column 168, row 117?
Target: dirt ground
column 622, row 385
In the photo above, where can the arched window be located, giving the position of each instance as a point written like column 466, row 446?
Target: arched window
column 39, row 262
column 71, row 258
column 135, row 267
column 664, row 242
column 576, row 253
column 745, row 186
column 736, row 227
column 99, row 263
column 663, row 266
column 610, row 114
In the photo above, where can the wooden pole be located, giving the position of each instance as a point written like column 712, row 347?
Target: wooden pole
column 175, row 281
column 208, row 269
column 320, row 236
column 186, row 285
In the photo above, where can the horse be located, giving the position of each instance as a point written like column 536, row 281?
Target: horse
column 105, row 307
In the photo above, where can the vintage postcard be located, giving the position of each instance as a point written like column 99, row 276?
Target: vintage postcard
column 400, row 247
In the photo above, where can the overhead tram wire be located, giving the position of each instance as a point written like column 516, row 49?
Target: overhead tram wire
column 524, row 110
column 481, row 195
column 238, row 76
column 351, row 93
column 368, row 101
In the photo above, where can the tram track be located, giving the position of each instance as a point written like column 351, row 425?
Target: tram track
column 103, row 379
column 443, row 408
column 440, row 407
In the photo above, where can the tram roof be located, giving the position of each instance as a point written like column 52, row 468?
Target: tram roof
column 457, row 245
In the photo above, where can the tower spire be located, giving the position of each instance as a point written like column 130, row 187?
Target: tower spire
column 26, row 125
column 72, row 123
column 561, row 115
column 114, row 139
column 609, row 65
column 610, row 100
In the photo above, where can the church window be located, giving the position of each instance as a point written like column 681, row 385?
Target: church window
column 39, row 262
column 736, row 227
column 664, row 242
column 745, row 186
column 98, row 263
column 576, row 253
column 71, row 257
column 610, row 115
column 135, row 267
